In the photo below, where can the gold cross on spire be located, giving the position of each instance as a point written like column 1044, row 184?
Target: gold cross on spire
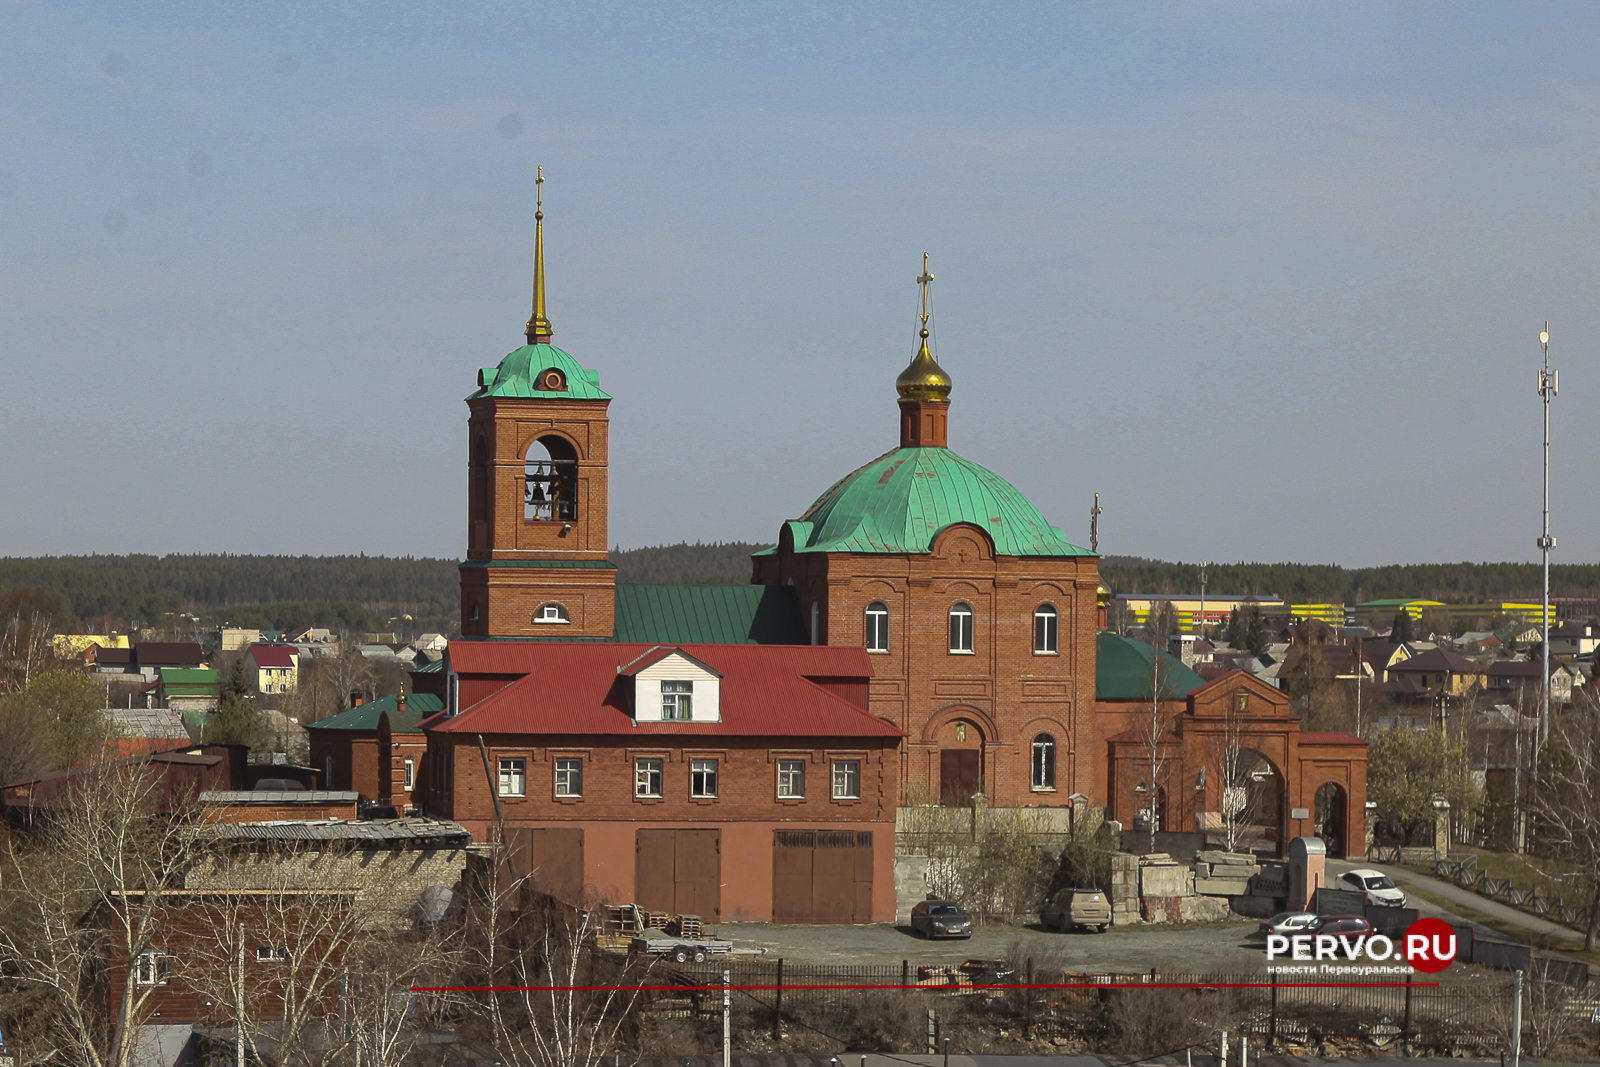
column 927, row 276
column 538, row 329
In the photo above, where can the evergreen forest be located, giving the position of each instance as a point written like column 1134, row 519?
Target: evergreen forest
column 365, row 592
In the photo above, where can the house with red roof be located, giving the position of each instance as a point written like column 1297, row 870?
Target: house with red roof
column 732, row 781
column 272, row 668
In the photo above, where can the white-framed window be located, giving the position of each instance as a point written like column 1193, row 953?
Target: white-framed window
column 151, row 967
column 569, row 777
column 410, row 773
column 676, row 700
column 647, row 777
column 703, row 778
column 877, row 626
column 551, row 613
column 961, row 628
column 792, row 778
column 271, row 954
column 1044, row 762
column 513, row 777
column 1046, row 629
column 847, row 779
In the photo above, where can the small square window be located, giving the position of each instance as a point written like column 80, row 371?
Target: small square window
column 703, row 778
column 676, row 699
column 569, row 777
column 514, row 777
column 792, row 778
column 847, row 779
column 271, row 954
column 411, row 773
column 647, row 778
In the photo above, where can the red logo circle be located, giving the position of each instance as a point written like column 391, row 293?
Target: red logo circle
column 1430, row 945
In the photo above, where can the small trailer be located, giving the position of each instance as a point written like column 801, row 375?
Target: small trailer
column 680, row 949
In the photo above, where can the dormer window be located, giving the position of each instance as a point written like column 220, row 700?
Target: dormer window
column 676, row 701
column 551, row 613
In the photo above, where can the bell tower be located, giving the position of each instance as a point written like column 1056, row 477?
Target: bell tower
column 537, row 434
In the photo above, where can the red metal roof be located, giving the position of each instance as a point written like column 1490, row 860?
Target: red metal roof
column 1331, row 739
column 766, row 691
column 272, row 655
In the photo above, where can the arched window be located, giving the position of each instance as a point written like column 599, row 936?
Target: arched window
column 961, row 628
column 551, row 613
column 550, row 481
column 1044, row 762
column 1046, row 629
column 477, row 612
column 478, row 494
column 877, row 626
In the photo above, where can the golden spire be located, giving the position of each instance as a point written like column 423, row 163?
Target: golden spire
column 924, row 379
column 538, row 329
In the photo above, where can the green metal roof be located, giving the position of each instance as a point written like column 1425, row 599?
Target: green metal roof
column 900, row 502
column 710, row 615
column 365, row 716
column 519, row 373
column 1122, row 670
column 190, row 676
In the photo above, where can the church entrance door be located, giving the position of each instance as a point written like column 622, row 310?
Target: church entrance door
column 959, row 772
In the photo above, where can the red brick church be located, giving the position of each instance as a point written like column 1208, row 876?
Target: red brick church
column 920, row 633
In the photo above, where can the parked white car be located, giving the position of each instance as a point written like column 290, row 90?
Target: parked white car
column 1375, row 885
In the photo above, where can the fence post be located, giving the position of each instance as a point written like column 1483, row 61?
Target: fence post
column 905, row 974
column 1027, row 1005
column 1405, row 1029
column 1516, row 1021
column 777, row 1008
column 1272, row 1026
column 933, row 1033
column 727, row 1019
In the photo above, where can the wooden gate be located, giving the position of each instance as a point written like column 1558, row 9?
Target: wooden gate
column 959, row 772
column 821, row 876
column 551, row 859
column 679, row 872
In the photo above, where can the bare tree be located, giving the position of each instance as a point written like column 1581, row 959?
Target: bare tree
column 26, row 646
column 86, row 886
column 1565, row 806
column 1238, row 770
column 1162, row 690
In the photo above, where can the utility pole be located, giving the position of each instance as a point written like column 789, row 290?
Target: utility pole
column 1549, row 386
column 1203, row 565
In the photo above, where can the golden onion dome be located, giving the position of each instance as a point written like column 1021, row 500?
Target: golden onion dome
column 923, row 379
column 1102, row 596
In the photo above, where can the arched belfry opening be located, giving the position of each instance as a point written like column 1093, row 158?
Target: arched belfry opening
column 550, row 481
column 478, row 491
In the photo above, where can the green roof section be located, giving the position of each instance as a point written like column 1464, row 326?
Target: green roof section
column 710, row 615
column 522, row 371
column 191, row 681
column 901, row 501
column 1122, row 670
column 365, row 716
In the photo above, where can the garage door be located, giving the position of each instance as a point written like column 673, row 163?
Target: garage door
column 822, row 876
column 679, row 872
column 551, row 860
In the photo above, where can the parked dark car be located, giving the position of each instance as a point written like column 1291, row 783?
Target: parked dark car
column 941, row 918
column 1341, row 926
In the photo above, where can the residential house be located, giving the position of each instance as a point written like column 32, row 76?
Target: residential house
column 272, row 668
column 1479, row 642
column 312, row 635
column 232, row 639
column 76, row 646
column 182, row 689
column 350, row 748
column 1517, row 682
column 149, row 657
column 733, row 782
column 1574, row 639
column 1438, row 672
column 140, row 730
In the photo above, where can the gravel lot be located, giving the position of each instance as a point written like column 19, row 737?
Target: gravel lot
column 1216, row 947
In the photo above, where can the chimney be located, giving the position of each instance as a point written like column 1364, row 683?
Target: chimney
column 356, row 698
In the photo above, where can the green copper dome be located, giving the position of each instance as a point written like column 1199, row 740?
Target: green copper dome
column 528, row 372
column 900, row 502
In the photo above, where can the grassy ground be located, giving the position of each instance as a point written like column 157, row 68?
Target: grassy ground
column 1551, row 878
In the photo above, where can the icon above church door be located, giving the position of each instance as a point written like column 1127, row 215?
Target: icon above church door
column 959, row 773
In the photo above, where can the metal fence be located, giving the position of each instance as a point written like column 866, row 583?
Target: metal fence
column 911, row 1007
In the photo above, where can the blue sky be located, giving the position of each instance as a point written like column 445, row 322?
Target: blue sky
column 1266, row 276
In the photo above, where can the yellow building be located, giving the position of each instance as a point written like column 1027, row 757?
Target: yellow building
column 66, row 646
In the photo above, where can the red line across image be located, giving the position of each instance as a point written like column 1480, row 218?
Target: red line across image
column 928, row 988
